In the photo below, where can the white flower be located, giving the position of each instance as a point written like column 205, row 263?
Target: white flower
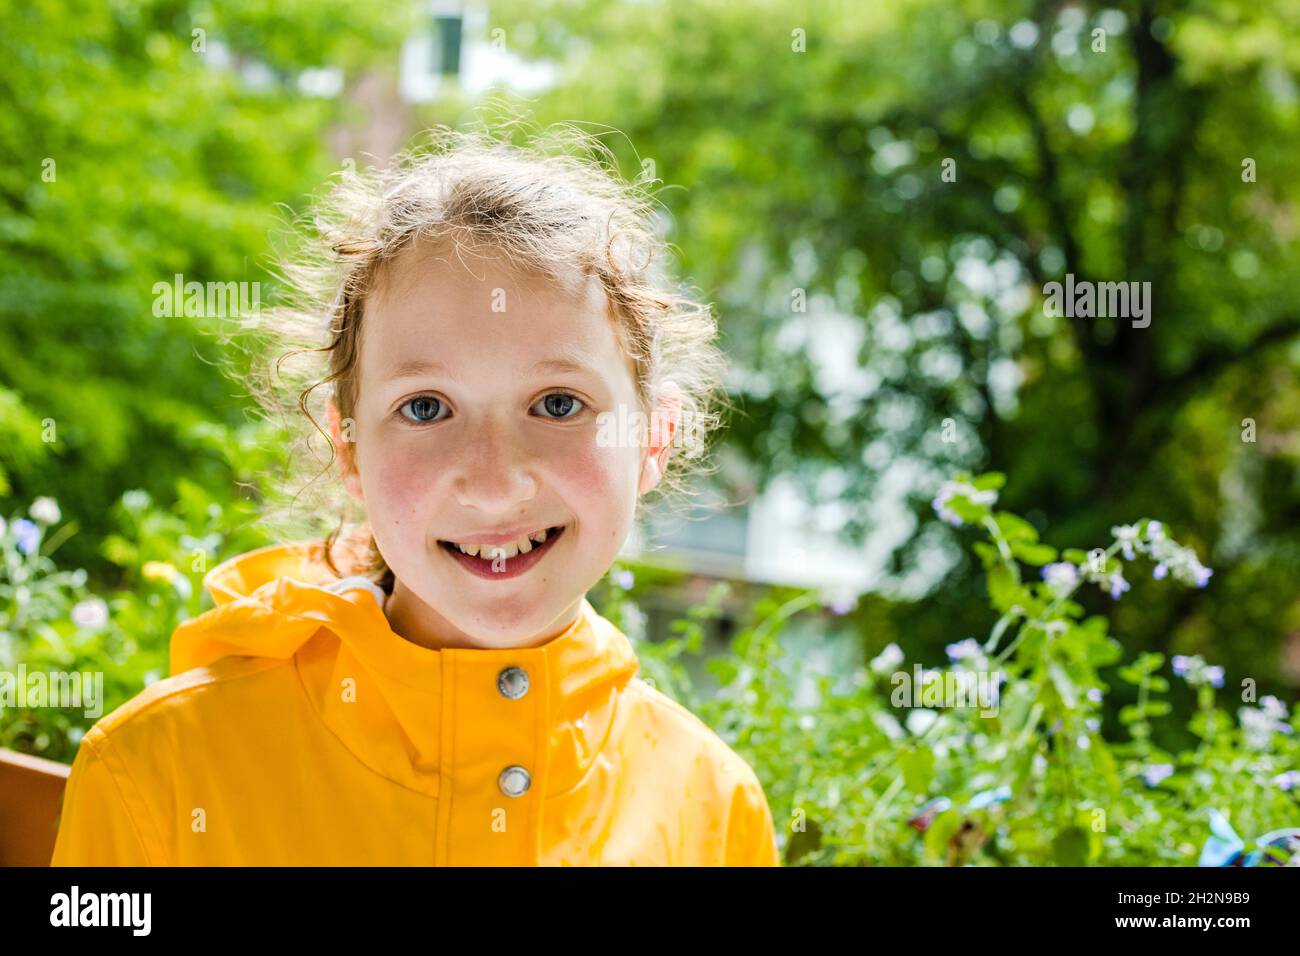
column 1195, row 671
column 1171, row 557
column 967, row 649
column 45, row 510
column 1129, row 540
column 1260, row 723
column 964, row 489
column 1273, row 707
column 136, row 499
column 919, row 720
column 891, row 727
column 1061, row 576
column 887, row 660
column 92, row 612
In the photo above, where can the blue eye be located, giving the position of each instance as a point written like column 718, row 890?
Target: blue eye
column 422, row 401
column 560, row 404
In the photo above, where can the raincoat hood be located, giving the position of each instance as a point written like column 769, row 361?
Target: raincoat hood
column 297, row 728
column 274, row 602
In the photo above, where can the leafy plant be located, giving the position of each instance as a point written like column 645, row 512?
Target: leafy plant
column 51, row 621
column 858, row 779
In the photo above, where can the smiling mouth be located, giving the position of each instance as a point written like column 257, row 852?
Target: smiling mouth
column 498, row 562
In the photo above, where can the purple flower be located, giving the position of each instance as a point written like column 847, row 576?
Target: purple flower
column 1157, row 772
column 946, row 514
column 624, row 579
column 963, row 649
column 1260, row 723
column 1061, row 576
column 1117, row 585
column 1160, row 571
column 1202, row 575
column 1287, row 781
column 1272, row 706
column 1127, row 536
column 1195, row 671
column 26, row 535
column 963, row 489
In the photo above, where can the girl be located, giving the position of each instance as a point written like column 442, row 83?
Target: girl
column 433, row 687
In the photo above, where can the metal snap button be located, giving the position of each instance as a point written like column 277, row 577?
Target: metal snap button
column 514, row 781
column 513, row 682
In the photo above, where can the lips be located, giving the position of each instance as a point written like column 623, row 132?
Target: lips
column 495, row 566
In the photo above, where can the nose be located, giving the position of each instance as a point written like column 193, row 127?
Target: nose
column 496, row 474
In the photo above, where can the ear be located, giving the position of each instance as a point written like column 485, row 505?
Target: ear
column 664, row 423
column 345, row 448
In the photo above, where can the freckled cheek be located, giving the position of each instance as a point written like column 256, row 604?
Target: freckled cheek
column 396, row 484
column 600, row 484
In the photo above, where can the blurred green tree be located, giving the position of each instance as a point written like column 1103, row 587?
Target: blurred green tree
column 876, row 195
column 144, row 140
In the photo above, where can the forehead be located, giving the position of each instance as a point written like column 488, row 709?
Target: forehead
column 475, row 311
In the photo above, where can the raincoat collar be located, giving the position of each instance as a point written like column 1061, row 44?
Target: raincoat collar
column 416, row 715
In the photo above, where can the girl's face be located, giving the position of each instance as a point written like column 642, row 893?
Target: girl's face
column 477, row 424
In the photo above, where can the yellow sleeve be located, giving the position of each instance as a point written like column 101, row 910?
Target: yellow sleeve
column 96, row 827
column 751, row 836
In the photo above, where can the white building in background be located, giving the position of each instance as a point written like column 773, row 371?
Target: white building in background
column 774, row 539
column 458, row 46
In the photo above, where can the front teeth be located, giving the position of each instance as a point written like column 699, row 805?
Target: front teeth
column 507, row 551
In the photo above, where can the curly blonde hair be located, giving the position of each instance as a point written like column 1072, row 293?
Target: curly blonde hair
column 549, row 209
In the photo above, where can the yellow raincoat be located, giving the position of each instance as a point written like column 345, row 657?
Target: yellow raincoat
column 299, row 729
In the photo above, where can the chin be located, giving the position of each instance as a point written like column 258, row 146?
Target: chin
column 500, row 621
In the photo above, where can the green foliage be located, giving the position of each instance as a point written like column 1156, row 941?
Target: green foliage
column 826, row 179
column 133, row 153
column 51, row 620
column 860, row 778
column 1023, row 775
column 131, row 156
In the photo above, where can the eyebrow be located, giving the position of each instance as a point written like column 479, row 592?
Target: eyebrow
column 414, row 367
